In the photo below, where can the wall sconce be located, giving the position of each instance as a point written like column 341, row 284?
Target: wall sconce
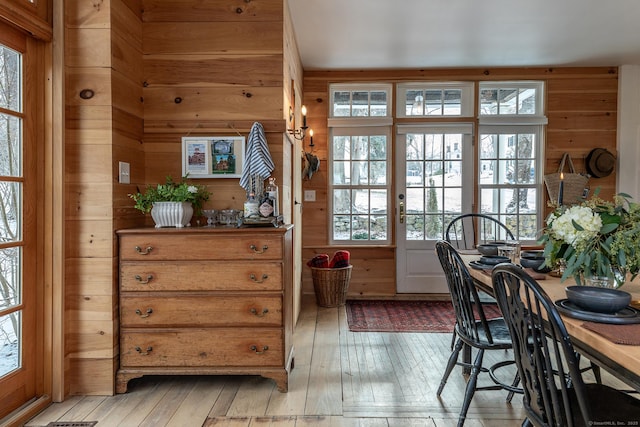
column 311, row 138
column 300, row 132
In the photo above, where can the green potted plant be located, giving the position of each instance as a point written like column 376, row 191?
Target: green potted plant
column 171, row 204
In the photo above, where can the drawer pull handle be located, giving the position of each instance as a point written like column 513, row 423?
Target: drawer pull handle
column 255, row 312
column 141, row 281
column 147, row 314
column 146, row 353
column 147, row 251
column 256, row 351
column 255, row 249
column 253, row 277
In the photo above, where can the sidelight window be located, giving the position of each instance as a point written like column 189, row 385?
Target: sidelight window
column 510, row 155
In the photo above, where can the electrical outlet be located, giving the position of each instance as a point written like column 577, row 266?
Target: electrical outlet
column 309, row 195
column 124, row 176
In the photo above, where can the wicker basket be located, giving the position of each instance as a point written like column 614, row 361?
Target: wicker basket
column 331, row 285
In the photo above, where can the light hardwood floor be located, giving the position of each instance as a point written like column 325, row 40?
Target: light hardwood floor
column 341, row 378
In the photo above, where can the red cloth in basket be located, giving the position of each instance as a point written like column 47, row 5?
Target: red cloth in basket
column 340, row 259
column 319, row 261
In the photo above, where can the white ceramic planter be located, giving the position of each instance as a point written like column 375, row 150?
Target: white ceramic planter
column 172, row 214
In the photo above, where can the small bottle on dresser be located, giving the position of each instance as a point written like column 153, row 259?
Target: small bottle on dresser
column 251, row 209
column 272, row 194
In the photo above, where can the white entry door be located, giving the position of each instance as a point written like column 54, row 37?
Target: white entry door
column 434, row 183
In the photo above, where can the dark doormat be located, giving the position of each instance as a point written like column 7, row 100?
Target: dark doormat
column 405, row 316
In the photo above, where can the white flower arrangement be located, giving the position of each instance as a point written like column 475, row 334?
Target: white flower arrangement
column 563, row 228
column 594, row 238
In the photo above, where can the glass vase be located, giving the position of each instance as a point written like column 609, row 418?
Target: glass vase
column 614, row 278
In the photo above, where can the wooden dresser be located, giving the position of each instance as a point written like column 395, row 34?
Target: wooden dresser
column 200, row 301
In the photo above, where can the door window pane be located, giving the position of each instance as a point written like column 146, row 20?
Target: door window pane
column 10, row 153
column 10, row 277
column 10, row 214
column 10, row 343
column 10, row 78
column 433, row 183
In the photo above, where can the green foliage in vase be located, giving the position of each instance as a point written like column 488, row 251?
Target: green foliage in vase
column 171, row 191
column 596, row 237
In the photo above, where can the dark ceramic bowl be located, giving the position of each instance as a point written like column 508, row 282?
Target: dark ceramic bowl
column 534, row 263
column 598, row 300
column 532, row 254
column 493, row 259
column 487, row 249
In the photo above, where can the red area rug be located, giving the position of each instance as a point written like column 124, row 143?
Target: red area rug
column 405, row 316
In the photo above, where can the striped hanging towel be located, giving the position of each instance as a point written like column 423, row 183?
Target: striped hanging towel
column 257, row 160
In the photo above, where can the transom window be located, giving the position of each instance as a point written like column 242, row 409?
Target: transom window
column 511, row 99
column 360, row 101
column 433, row 99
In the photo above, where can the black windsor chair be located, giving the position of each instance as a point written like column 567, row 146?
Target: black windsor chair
column 554, row 391
column 469, row 230
column 480, row 334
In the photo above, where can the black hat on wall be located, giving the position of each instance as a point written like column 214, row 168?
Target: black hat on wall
column 600, row 163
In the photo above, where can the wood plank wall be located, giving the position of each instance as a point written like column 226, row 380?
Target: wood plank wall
column 211, row 68
column 102, row 54
column 581, row 106
column 159, row 70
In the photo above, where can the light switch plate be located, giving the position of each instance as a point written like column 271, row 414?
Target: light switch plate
column 309, row 195
column 124, row 176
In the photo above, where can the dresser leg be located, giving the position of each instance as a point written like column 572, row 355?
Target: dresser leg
column 122, row 381
column 281, row 379
column 283, row 384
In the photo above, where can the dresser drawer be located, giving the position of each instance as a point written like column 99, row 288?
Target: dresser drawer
column 200, row 310
column 201, row 347
column 200, row 247
column 200, row 276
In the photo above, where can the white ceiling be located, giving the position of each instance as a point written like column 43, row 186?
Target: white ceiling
column 383, row 34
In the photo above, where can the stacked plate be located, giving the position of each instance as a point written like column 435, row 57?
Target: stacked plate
column 487, row 262
column 601, row 305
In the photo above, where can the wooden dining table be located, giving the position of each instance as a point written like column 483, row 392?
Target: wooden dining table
column 621, row 360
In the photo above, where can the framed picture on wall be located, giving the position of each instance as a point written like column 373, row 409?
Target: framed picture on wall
column 212, row 156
